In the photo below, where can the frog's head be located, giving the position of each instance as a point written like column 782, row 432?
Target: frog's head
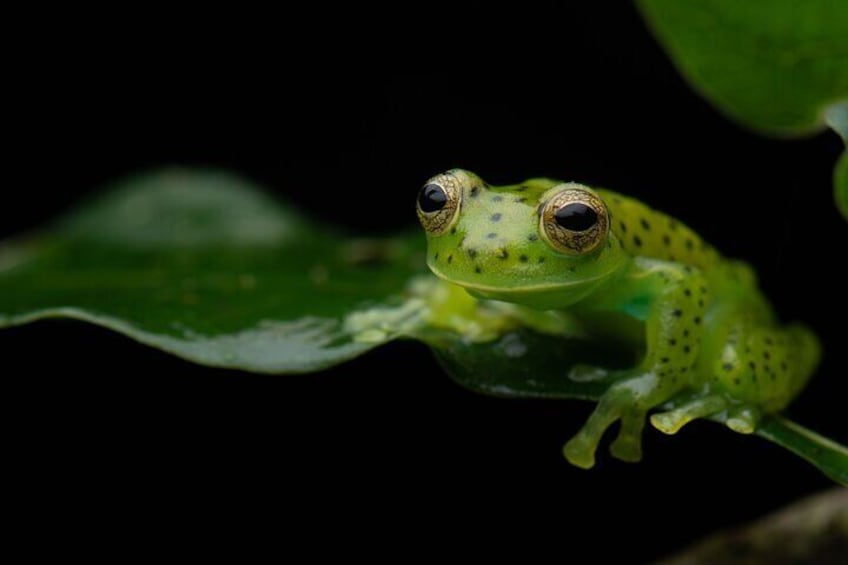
column 540, row 243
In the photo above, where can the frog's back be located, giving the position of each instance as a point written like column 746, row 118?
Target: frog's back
column 646, row 232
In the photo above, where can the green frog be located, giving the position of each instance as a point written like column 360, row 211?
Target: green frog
column 710, row 341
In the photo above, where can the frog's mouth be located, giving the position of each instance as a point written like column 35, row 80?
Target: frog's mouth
column 547, row 295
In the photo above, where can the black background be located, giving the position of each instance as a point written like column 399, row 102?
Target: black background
column 347, row 120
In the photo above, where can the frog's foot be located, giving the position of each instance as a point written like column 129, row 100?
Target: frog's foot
column 580, row 450
column 670, row 422
column 625, row 400
column 743, row 419
column 628, row 445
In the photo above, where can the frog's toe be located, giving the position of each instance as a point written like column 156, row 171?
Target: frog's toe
column 628, row 445
column 627, row 448
column 743, row 420
column 580, row 452
column 670, row 422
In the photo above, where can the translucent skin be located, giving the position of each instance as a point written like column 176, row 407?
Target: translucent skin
column 711, row 340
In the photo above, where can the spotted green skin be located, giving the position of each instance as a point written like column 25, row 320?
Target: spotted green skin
column 708, row 338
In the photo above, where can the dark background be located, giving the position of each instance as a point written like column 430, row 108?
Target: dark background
column 347, row 120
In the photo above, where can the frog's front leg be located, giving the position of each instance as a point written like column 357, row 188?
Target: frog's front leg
column 672, row 300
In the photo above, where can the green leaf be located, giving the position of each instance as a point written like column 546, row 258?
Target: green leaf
column 827, row 455
column 773, row 65
column 203, row 265
column 840, row 184
column 776, row 66
column 525, row 364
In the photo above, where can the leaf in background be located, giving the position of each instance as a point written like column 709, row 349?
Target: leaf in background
column 776, row 66
column 203, row 265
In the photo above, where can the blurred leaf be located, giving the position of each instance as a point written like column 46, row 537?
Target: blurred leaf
column 840, row 183
column 776, row 66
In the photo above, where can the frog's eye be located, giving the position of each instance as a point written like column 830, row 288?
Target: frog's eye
column 574, row 221
column 438, row 203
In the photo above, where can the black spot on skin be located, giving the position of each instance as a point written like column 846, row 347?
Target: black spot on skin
column 492, row 235
column 532, row 237
column 697, row 320
column 783, row 365
column 687, row 268
column 541, row 259
column 672, row 342
column 521, row 199
column 472, row 253
column 727, row 367
column 685, row 333
column 450, row 259
column 766, row 355
column 703, row 290
column 684, row 369
column 736, row 381
column 676, row 313
column 666, row 240
column 645, row 224
column 689, row 244
column 453, row 230
column 522, row 258
column 700, row 303
column 478, row 270
column 686, row 349
column 637, row 241
column 687, row 292
column 496, row 217
column 497, row 198
column 664, row 360
column 773, row 376
column 752, row 365
column 623, row 227
column 436, row 256
column 572, row 269
column 474, row 191
column 502, row 254
column 769, row 341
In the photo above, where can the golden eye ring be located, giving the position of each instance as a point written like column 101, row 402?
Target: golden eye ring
column 574, row 220
column 438, row 203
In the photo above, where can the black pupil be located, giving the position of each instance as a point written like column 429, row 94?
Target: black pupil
column 432, row 198
column 576, row 217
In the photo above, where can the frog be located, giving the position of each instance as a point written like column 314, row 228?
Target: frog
column 709, row 341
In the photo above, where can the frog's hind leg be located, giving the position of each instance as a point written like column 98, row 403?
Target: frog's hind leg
column 671, row 421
